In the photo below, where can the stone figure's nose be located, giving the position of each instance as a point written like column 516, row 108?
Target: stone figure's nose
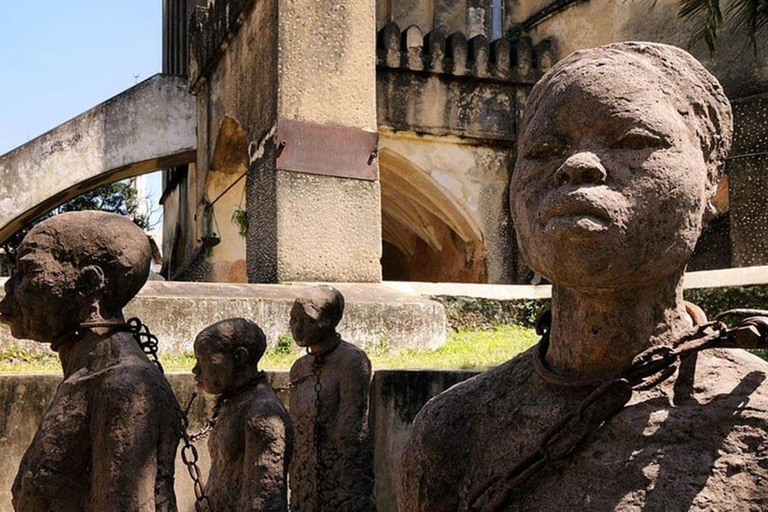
column 581, row 169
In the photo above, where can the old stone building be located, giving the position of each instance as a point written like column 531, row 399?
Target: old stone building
column 359, row 141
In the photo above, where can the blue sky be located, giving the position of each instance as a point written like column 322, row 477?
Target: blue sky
column 60, row 58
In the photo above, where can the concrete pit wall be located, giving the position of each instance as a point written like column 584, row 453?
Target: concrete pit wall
column 396, row 397
column 375, row 316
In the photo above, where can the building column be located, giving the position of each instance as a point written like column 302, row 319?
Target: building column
column 299, row 77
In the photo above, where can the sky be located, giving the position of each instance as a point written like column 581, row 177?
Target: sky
column 61, row 58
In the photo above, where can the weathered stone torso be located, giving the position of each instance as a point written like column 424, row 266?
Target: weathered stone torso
column 108, row 441
column 678, row 447
column 251, row 447
column 345, row 469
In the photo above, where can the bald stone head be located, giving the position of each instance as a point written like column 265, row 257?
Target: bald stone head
column 315, row 314
column 73, row 268
column 620, row 150
column 228, row 353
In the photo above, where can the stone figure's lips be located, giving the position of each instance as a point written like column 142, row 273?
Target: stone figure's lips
column 574, row 212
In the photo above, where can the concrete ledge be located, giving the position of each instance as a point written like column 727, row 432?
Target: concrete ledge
column 729, row 277
column 396, row 397
column 376, row 316
column 148, row 127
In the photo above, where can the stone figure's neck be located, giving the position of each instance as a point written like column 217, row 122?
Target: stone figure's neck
column 96, row 350
column 596, row 334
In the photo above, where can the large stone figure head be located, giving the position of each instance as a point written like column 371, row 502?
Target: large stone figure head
column 316, row 314
column 620, row 151
column 228, row 353
column 73, row 268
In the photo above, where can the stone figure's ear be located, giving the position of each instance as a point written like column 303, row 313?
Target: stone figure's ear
column 241, row 355
column 91, row 281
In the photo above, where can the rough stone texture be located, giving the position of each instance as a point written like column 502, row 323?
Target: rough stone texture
column 333, row 465
column 608, row 193
column 109, row 436
column 328, row 229
column 671, row 449
column 24, row 398
column 252, row 441
column 324, row 50
column 148, row 127
column 748, row 169
column 377, row 316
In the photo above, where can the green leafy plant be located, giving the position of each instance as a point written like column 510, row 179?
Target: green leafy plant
column 240, row 219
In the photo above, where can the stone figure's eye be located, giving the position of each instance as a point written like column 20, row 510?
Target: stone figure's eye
column 639, row 139
column 546, row 149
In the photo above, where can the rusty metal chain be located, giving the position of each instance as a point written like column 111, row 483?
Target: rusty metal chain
column 140, row 332
column 296, row 382
column 317, row 429
column 190, row 458
column 221, row 400
column 146, row 340
column 647, row 370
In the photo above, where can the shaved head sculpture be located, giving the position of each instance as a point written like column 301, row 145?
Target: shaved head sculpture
column 620, row 151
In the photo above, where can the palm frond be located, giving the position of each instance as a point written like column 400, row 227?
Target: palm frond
column 750, row 17
column 706, row 19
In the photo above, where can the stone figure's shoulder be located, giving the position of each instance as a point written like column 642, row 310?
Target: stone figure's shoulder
column 353, row 354
column 449, row 418
column 301, row 366
column 466, row 398
column 266, row 404
column 733, row 373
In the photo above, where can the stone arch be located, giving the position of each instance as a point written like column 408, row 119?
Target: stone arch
column 428, row 234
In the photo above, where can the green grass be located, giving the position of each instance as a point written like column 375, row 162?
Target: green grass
column 466, row 349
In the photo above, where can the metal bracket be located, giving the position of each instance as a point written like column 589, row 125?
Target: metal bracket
column 337, row 151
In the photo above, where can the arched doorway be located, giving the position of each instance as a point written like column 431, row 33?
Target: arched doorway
column 427, row 233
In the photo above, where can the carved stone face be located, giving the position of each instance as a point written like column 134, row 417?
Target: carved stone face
column 42, row 299
column 304, row 328
column 610, row 183
column 72, row 268
column 215, row 369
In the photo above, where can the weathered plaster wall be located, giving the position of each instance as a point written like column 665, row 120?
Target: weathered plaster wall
column 597, row 22
column 298, row 60
column 239, row 85
column 149, row 127
column 396, row 397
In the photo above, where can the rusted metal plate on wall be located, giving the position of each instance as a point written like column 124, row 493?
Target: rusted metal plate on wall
column 326, row 150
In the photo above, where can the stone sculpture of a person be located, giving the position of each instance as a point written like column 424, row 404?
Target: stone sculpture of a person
column 108, row 440
column 332, row 469
column 620, row 151
column 251, row 438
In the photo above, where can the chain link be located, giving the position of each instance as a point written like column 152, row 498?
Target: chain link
column 190, row 458
column 317, row 431
column 647, row 370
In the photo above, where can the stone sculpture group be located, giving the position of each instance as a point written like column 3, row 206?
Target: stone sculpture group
column 620, row 152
